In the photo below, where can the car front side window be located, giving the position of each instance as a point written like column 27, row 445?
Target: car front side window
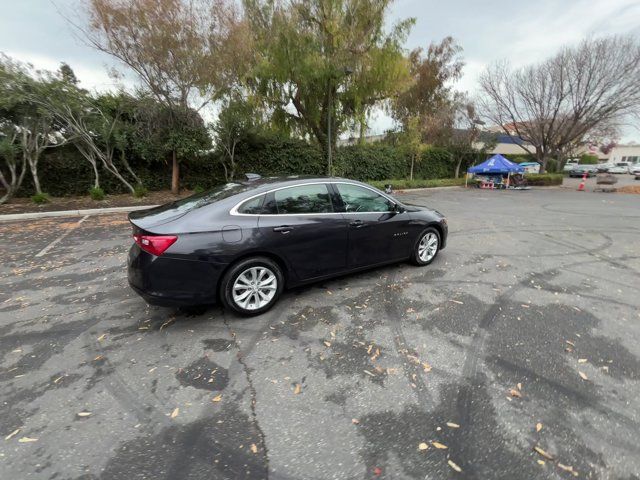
column 362, row 200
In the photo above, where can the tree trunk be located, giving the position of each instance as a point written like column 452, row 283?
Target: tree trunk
column 175, row 174
column 413, row 160
column 96, row 175
column 542, row 159
column 458, row 164
column 33, row 166
column 123, row 157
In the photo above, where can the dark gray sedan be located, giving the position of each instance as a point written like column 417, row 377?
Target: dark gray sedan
column 243, row 243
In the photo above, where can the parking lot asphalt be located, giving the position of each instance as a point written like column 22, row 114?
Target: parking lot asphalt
column 523, row 334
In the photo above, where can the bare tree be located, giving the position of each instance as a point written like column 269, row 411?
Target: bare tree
column 185, row 52
column 558, row 102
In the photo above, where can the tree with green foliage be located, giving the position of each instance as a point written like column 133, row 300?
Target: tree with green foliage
column 186, row 53
column 430, row 94
column 238, row 119
column 323, row 63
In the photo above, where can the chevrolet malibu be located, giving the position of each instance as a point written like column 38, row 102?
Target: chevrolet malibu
column 242, row 243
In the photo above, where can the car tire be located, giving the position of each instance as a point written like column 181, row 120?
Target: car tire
column 252, row 286
column 422, row 251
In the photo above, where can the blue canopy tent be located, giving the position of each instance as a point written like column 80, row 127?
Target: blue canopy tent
column 496, row 165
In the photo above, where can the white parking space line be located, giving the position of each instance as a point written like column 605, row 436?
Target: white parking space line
column 46, row 249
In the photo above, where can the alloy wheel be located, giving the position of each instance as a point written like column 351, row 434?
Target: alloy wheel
column 428, row 246
column 254, row 288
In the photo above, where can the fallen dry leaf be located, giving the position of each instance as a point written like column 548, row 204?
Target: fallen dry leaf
column 12, row 434
column 582, row 360
column 355, row 421
column 426, row 367
column 457, row 301
column 543, row 453
column 369, row 373
column 454, row 466
column 84, row 414
column 254, row 448
column 27, row 440
column 519, row 386
column 515, row 393
column 297, row 389
column 175, row 412
column 541, row 462
column 583, row 375
column 568, row 468
column 102, row 337
column 217, row 398
column 328, row 344
column 538, row 427
column 423, row 446
column 570, row 343
column 453, row 425
column 439, row 445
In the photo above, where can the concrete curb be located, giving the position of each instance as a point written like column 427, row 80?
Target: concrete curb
column 71, row 213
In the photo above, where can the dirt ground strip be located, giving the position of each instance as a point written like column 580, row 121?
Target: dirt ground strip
column 516, row 354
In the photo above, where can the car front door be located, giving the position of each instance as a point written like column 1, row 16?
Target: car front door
column 378, row 232
column 301, row 224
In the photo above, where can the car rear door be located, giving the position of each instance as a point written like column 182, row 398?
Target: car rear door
column 377, row 232
column 300, row 223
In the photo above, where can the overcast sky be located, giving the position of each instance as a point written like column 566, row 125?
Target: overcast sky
column 488, row 30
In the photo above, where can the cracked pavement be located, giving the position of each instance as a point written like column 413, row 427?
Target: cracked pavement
column 529, row 316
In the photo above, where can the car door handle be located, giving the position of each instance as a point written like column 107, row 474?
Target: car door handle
column 357, row 223
column 284, row 229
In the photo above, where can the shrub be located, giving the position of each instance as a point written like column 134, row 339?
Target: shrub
column 552, row 165
column 140, row 191
column 586, row 159
column 544, row 179
column 40, row 198
column 198, row 189
column 96, row 193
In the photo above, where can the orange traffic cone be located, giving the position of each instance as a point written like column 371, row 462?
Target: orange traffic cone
column 581, row 186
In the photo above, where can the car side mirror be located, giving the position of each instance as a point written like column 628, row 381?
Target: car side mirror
column 397, row 208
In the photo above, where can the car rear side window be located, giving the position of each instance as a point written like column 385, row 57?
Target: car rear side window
column 362, row 200
column 300, row 200
column 252, row 206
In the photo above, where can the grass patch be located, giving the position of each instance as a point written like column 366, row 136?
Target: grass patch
column 418, row 183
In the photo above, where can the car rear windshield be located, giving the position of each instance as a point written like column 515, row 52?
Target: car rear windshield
column 210, row 196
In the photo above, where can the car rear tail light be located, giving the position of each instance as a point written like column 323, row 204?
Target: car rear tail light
column 155, row 244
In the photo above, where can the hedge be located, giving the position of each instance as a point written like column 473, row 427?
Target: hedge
column 420, row 183
column 64, row 172
column 544, row 179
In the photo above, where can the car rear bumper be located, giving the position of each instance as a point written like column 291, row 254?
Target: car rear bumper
column 168, row 281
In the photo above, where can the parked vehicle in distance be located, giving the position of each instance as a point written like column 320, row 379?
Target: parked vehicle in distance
column 620, row 167
column 243, row 243
column 570, row 165
column 580, row 170
column 531, row 167
column 604, row 167
column 635, row 170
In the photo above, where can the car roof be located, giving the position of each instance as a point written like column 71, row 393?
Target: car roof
column 270, row 183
